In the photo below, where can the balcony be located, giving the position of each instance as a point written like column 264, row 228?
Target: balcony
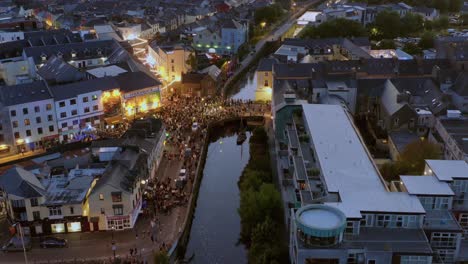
column 396, row 240
column 441, row 220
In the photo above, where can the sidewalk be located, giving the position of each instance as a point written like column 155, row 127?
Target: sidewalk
column 14, row 157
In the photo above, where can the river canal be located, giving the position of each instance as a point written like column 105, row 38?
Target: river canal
column 216, row 225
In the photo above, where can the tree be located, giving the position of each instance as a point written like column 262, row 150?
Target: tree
column 388, row 24
column 265, row 241
column 386, row 44
column 256, row 206
column 268, row 14
column 441, row 5
column 339, row 27
column 441, row 23
column 412, row 160
column 454, row 5
column 412, row 49
column 427, row 40
column 464, row 19
column 411, row 23
column 284, row 4
column 161, row 257
column 414, row 154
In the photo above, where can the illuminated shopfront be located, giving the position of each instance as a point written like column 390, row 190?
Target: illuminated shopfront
column 58, row 228
column 141, row 101
column 74, row 227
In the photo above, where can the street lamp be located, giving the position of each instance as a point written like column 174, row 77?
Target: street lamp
column 22, row 241
column 114, row 247
column 263, row 24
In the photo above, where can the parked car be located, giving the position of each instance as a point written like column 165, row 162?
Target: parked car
column 16, row 244
column 48, row 242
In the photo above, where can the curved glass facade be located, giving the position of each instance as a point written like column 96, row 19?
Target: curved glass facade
column 320, row 225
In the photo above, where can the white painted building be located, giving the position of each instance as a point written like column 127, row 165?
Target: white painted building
column 79, row 106
column 28, row 117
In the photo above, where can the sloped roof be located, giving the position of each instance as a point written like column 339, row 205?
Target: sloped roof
column 71, row 90
column 57, row 70
column 461, row 84
column 24, row 93
column 131, row 81
column 389, row 98
column 22, row 183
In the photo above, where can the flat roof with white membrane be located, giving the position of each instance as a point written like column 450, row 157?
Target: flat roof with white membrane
column 447, row 170
column 348, row 169
column 320, row 218
column 426, row 185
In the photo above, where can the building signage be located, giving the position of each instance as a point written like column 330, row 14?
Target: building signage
column 141, row 92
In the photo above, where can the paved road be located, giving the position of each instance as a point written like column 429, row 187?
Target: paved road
column 93, row 245
column 273, row 35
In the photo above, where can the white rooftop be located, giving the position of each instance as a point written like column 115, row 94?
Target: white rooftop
column 347, row 167
column 111, row 70
column 307, row 17
column 320, row 218
column 447, row 170
column 425, row 185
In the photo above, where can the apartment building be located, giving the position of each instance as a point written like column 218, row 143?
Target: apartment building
column 442, row 191
column 79, row 106
column 170, row 61
column 452, row 132
column 49, row 204
column 28, row 119
column 224, row 38
column 116, row 200
column 341, row 209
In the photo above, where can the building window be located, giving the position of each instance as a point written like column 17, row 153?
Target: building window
column 27, row 122
column 85, row 99
column 57, row 228
column 103, row 211
column 36, row 215
column 17, row 135
column 94, row 97
column 51, row 128
column 49, row 107
column 28, row 133
column 25, row 111
column 101, row 196
column 443, row 239
column 64, row 125
column 38, row 120
column 266, row 83
column 75, row 122
column 95, row 107
column 50, row 118
column 72, row 210
column 116, row 197
column 86, row 110
column 39, row 131
column 55, row 211
column 13, row 113
column 14, row 124
column 74, row 112
column 37, row 109
column 63, row 115
column 266, row 74
column 34, row 202
column 62, row 104
column 118, row 209
column 73, row 102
